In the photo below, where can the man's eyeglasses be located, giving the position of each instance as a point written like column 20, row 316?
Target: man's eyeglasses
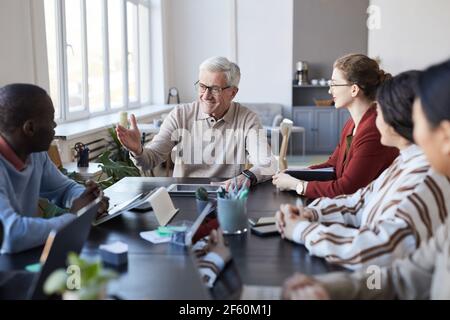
column 214, row 90
column 331, row 84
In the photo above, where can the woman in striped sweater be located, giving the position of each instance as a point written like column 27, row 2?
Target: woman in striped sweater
column 426, row 273
column 390, row 217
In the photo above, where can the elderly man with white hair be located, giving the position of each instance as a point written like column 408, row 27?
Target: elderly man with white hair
column 215, row 136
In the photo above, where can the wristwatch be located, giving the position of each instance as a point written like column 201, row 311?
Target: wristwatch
column 251, row 176
column 301, row 187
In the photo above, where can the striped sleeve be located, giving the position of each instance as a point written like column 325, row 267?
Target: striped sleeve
column 408, row 278
column 345, row 209
column 397, row 230
column 355, row 248
column 210, row 267
column 210, row 263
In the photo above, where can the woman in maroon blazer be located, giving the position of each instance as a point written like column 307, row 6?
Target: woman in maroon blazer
column 360, row 157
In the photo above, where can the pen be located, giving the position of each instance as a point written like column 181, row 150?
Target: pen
column 221, row 192
column 243, row 187
column 244, row 194
column 235, row 187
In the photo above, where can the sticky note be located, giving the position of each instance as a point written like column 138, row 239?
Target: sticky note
column 154, row 237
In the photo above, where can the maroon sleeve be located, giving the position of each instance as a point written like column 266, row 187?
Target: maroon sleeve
column 331, row 162
column 369, row 160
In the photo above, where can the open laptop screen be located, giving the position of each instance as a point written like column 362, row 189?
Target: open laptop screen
column 69, row 238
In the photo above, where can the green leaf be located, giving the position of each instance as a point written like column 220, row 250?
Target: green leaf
column 93, row 278
column 56, row 282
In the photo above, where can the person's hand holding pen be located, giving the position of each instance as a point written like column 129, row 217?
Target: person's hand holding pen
column 91, row 192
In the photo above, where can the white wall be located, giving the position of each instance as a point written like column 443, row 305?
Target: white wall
column 159, row 51
column 257, row 34
column 325, row 30
column 196, row 30
column 264, row 50
column 22, row 36
column 16, row 54
column 413, row 34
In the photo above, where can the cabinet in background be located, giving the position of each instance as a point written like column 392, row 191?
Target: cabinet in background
column 323, row 126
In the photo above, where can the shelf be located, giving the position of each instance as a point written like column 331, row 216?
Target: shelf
column 310, row 93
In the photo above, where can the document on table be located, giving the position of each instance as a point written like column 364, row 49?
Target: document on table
column 154, row 237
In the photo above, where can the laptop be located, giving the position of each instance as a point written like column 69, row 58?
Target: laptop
column 21, row 285
column 228, row 284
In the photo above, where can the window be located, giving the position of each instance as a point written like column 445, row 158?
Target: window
column 98, row 55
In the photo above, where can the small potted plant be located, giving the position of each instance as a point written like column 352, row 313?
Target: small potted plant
column 83, row 280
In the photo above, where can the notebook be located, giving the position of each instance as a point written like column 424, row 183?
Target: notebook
column 306, row 174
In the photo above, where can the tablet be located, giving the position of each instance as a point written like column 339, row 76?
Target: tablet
column 189, row 189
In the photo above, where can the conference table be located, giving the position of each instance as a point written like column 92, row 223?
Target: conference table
column 166, row 271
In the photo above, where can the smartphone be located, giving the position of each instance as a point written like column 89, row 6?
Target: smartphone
column 264, row 231
column 264, row 221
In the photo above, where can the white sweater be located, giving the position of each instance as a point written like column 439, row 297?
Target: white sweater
column 382, row 222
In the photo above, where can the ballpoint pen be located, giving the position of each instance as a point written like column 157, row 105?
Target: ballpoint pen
column 243, row 187
column 243, row 194
column 235, row 187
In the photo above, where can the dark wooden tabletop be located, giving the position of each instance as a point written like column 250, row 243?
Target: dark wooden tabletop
column 160, row 270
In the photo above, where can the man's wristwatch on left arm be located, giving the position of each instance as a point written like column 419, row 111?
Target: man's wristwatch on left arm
column 251, row 176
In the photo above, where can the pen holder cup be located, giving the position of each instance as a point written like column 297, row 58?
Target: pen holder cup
column 232, row 215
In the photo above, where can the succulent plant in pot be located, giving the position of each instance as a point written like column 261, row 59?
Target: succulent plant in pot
column 202, row 199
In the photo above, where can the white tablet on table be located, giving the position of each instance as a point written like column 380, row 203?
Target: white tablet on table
column 190, row 188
